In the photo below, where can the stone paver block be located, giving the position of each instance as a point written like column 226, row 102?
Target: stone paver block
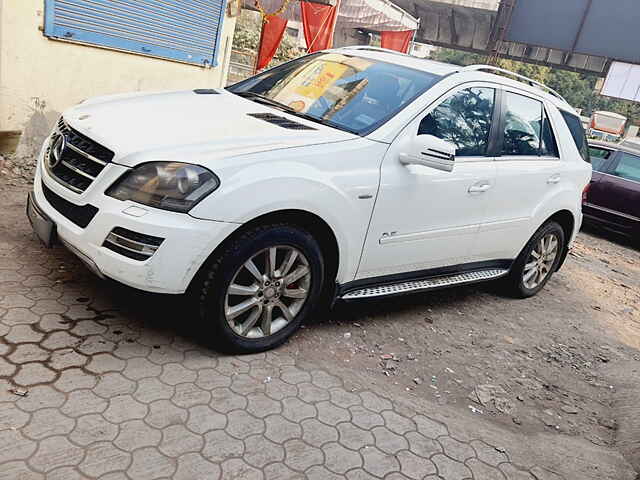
column 14, row 446
column 163, row 413
column 332, row 414
column 242, row 424
column 244, row 384
column 488, row 453
column 150, row 464
column 429, row 428
column 7, row 369
column 301, row 456
column 224, row 400
column 259, row 451
column 86, row 328
column 296, row 410
column 413, row 466
column 177, row 440
column 203, row 419
column 102, row 458
column 457, row 450
column 73, row 379
column 308, row 392
column 136, row 434
column 219, row 446
column 189, row 394
column 389, row 442
column 193, row 466
column 512, row 473
column 61, row 339
column 364, row 418
column 354, row 437
column 83, row 402
column 114, row 384
column 279, row 390
column 66, row 358
column 48, row 306
column 93, row 428
column 321, row 473
column 47, row 422
column 138, row 368
column 294, row 375
column 33, row 374
column 343, row 398
column 173, row 374
column 23, row 334
column 41, row 396
column 482, row 471
column 125, row 407
column 279, row 471
column 339, row 459
column 279, row 429
column 259, row 405
column 105, row 362
column 316, row 433
column 209, row 379
column 51, row 322
column 18, row 316
column 379, row 463
column 11, row 417
column 450, row 469
column 236, row 469
column 324, row 380
column 421, row 445
column 398, row 423
column 374, row 402
column 95, row 344
column 151, row 389
column 55, row 452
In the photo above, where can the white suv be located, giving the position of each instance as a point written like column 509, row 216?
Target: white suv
column 346, row 174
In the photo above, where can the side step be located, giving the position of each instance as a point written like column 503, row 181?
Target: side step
column 426, row 284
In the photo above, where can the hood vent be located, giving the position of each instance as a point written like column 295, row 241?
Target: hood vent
column 280, row 121
column 206, row 91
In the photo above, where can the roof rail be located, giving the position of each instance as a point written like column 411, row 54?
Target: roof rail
column 374, row 49
column 530, row 81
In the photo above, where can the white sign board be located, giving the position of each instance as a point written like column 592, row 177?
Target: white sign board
column 623, row 81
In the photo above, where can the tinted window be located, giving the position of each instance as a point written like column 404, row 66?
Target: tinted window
column 352, row 93
column 628, row 167
column 549, row 146
column 523, row 124
column 463, row 119
column 577, row 132
column 599, row 157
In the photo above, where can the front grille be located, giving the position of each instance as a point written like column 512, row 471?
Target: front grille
column 138, row 246
column 73, row 159
column 80, row 215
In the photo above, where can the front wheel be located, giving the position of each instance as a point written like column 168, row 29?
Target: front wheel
column 537, row 261
column 260, row 288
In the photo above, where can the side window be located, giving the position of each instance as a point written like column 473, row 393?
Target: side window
column 463, row 119
column 577, row 132
column 599, row 157
column 549, row 147
column 628, row 167
column 522, row 125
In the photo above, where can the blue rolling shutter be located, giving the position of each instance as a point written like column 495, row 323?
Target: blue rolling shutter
column 185, row 30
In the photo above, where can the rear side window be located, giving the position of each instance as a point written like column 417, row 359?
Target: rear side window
column 577, row 132
column 628, row 167
column 599, row 157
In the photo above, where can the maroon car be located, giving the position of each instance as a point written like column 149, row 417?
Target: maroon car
column 613, row 197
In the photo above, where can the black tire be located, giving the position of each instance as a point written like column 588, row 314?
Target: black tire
column 218, row 275
column 514, row 283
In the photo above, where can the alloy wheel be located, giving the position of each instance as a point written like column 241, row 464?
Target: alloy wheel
column 267, row 291
column 540, row 261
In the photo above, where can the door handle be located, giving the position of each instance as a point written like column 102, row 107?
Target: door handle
column 479, row 187
column 554, row 179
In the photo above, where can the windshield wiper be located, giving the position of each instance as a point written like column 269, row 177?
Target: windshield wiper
column 286, row 108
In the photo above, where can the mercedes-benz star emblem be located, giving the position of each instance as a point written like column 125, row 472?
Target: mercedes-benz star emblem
column 58, row 144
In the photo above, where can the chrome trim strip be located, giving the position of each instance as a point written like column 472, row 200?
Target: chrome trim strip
column 62, row 182
column 117, row 239
column 613, row 212
column 412, row 237
column 133, row 250
column 77, row 170
column 85, row 154
column 427, row 284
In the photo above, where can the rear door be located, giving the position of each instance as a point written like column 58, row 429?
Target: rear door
column 601, row 158
column 528, row 169
column 618, row 193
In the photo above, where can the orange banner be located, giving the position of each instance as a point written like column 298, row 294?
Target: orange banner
column 270, row 39
column 398, row 41
column 318, row 23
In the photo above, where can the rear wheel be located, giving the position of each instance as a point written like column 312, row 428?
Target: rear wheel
column 260, row 288
column 537, row 261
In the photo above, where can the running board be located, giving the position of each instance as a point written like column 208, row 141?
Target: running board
column 426, row 284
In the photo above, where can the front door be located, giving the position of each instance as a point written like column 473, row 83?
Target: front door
column 426, row 218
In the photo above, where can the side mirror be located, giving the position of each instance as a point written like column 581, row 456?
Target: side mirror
column 430, row 151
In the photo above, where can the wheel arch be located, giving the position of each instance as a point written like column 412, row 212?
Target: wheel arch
column 311, row 222
column 568, row 223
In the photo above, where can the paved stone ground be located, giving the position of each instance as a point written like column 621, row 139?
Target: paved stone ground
column 97, row 382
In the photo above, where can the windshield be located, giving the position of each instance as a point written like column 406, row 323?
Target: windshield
column 351, row 93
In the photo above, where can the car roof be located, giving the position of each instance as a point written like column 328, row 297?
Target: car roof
column 616, row 146
column 445, row 69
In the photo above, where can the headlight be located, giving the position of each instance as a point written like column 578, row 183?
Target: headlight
column 168, row 185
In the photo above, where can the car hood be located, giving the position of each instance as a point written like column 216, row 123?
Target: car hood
column 158, row 126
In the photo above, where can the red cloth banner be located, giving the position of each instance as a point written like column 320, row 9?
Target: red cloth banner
column 318, row 23
column 272, row 32
column 398, row 41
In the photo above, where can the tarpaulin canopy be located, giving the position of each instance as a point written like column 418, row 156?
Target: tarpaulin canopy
column 377, row 15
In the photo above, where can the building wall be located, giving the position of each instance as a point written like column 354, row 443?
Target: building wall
column 39, row 77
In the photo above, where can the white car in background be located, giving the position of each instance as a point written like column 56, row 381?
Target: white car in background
column 346, row 174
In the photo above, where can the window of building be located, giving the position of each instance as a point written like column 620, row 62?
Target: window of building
column 628, row 167
column 292, row 32
column 180, row 31
column 463, row 119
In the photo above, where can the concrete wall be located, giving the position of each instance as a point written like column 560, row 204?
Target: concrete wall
column 39, row 77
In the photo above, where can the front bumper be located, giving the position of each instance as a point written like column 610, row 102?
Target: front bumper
column 188, row 241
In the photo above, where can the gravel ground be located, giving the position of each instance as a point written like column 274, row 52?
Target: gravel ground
column 545, row 365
